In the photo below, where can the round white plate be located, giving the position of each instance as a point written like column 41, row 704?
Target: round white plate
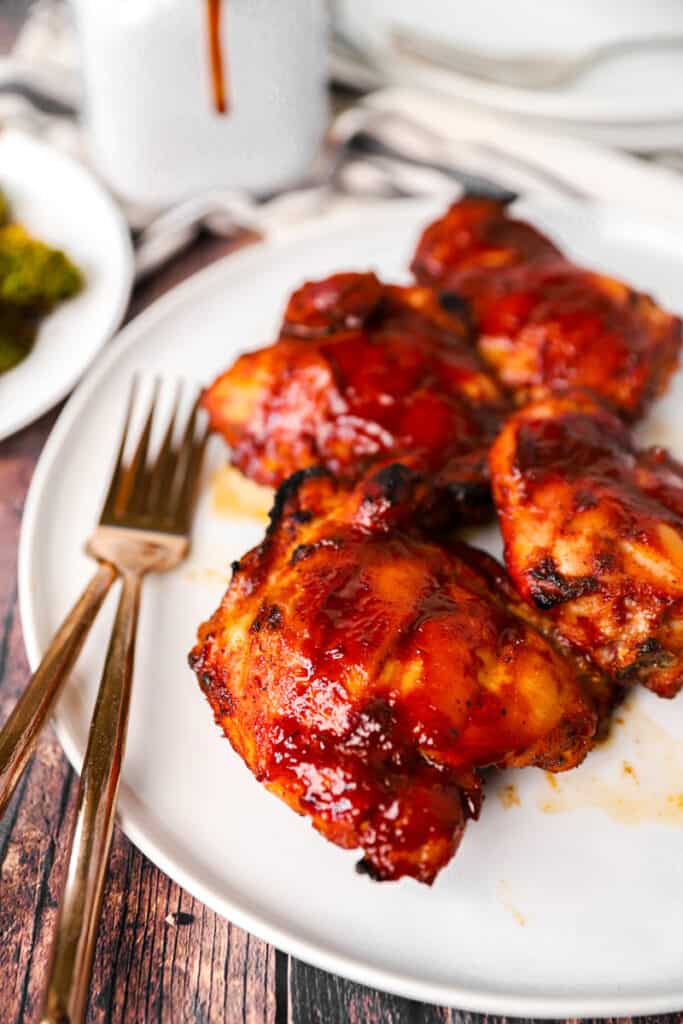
column 565, row 904
column 61, row 203
column 637, row 89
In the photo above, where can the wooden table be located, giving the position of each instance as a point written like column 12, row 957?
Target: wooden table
column 161, row 956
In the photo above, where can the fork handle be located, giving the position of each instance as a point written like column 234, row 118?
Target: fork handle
column 19, row 735
column 79, row 913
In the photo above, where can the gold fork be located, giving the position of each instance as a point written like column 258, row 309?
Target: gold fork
column 144, row 527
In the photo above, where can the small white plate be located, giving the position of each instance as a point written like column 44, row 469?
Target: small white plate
column 567, row 903
column 62, row 204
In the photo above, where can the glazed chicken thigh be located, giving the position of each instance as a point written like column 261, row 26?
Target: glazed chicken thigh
column 593, row 531
column 476, row 239
column 366, row 674
column 543, row 324
column 368, row 666
column 363, row 373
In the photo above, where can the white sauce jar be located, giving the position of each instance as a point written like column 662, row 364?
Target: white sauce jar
column 152, row 129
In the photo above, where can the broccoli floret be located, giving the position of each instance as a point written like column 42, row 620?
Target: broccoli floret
column 18, row 329
column 32, row 274
column 33, row 279
column 4, row 210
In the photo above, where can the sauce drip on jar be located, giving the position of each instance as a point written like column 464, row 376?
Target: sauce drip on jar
column 218, row 76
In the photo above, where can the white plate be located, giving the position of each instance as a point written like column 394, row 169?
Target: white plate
column 559, row 914
column 61, row 203
column 638, row 89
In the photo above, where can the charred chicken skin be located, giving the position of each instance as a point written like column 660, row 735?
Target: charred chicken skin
column 545, row 325
column 364, row 373
column 593, row 531
column 366, row 675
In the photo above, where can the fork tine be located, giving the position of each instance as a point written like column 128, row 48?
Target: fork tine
column 190, row 457
column 132, row 492
column 160, row 495
column 188, row 492
column 117, row 473
column 188, row 438
column 163, row 471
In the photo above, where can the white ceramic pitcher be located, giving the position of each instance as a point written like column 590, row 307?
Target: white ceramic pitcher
column 152, row 126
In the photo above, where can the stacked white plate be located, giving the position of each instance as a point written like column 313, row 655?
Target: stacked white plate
column 633, row 100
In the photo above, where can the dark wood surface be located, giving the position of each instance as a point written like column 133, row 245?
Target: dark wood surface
column 161, row 956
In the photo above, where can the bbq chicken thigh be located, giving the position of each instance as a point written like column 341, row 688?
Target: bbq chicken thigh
column 593, row 532
column 543, row 324
column 364, row 373
column 366, row 675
